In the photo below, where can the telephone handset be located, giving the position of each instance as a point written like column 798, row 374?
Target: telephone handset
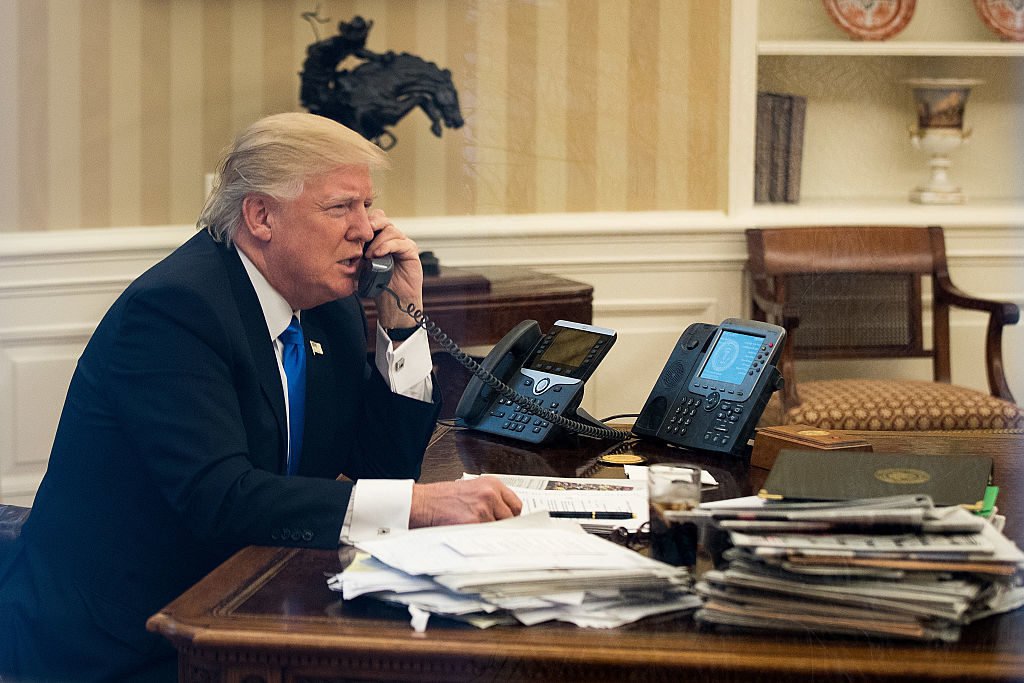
column 546, row 372
column 714, row 387
column 374, row 276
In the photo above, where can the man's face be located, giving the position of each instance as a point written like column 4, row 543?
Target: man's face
column 316, row 243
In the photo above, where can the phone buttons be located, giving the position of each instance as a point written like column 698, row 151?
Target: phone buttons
column 712, row 400
column 542, row 385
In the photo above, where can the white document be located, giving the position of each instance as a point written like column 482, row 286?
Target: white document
column 511, row 545
column 639, row 473
column 580, row 496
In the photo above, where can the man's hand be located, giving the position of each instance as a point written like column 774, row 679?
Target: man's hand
column 484, row 499
column 407, row 280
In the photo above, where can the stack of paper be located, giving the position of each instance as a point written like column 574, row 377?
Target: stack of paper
column 897, row 567
column 528, row 569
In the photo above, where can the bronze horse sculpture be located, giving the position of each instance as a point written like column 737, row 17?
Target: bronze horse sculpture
column 379, row 92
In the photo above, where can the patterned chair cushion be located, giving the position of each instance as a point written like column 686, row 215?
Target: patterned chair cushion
column 894, row 405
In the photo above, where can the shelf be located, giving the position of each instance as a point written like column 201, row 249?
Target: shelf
column 888, row 48
column 975, row 213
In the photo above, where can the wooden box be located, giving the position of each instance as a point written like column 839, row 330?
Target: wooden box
column 768, row 441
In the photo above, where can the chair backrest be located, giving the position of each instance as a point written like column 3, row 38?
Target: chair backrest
column 850, row 292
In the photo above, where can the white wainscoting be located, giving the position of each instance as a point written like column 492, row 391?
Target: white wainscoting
column 653, row 274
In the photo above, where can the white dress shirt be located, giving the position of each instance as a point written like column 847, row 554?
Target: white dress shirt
column 377, row 506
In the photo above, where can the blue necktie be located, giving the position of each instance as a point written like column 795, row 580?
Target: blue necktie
column 293, row 358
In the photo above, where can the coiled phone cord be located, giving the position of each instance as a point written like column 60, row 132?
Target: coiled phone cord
column 530, row 405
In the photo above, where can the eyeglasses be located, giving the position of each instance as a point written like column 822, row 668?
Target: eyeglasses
column 634, row 540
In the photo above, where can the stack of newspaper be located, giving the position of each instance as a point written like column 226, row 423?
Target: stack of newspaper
column 896, row 567
column 527, row 569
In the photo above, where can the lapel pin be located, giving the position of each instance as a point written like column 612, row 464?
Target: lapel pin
column 317, row 349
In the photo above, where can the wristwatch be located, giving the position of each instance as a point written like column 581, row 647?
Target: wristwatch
column 400, row 334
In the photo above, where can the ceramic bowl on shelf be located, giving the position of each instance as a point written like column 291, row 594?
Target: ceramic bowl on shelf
column 870, row 19
column 1004, row 17
column 940, row 102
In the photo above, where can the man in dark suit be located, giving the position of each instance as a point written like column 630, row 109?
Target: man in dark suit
column 179, row 442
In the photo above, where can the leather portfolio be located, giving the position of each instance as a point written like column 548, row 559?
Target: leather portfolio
column 822, row 475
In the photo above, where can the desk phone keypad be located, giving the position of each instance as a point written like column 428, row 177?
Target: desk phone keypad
column 507, row 418
column 725, row 424
column 719, row 424
column 681, row 418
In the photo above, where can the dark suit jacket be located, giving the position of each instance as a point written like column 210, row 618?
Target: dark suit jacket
column 170, row 456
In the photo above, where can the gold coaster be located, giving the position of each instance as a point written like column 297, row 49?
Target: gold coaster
column 622, row 459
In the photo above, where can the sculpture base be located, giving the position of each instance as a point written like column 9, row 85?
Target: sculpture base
column 922, row 195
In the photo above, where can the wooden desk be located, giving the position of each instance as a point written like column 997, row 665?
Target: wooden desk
column 477, row 307
column 267, row 615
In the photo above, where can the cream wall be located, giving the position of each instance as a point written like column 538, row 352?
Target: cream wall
column 115, row 109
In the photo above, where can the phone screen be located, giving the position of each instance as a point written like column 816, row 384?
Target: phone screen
column 568, row 350
column 732, row 357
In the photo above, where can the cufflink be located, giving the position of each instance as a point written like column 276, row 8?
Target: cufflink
column 399, row 364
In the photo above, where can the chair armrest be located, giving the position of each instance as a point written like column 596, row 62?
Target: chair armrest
column 1005, row 312
column 1000, row 313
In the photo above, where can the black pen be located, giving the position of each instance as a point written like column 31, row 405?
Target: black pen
column 592, row 515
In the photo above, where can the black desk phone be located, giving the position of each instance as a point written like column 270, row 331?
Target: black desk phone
column 714, row 387
column 548, row 369
column 709, row 397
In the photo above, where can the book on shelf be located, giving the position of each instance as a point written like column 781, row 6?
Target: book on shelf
column 778, row 147
column 762, row 147
column 781, row 116
column 794, row 159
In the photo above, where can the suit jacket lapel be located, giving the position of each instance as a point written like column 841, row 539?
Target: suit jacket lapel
column 320, row 413
column 262, row 348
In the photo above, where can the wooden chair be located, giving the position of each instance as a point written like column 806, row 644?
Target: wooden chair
column 857, row 292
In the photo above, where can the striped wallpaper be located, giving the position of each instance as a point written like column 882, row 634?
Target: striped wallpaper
column 113, row 110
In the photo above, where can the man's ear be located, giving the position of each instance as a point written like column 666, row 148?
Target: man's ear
column 256, row 216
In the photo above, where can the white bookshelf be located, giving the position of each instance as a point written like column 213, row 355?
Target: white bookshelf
column 851, row 48
column 858, row 163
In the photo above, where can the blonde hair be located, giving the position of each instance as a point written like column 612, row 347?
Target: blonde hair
column 275, row 156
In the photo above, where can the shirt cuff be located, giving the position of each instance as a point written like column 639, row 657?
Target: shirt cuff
column 406, row 369
column 377, row 507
